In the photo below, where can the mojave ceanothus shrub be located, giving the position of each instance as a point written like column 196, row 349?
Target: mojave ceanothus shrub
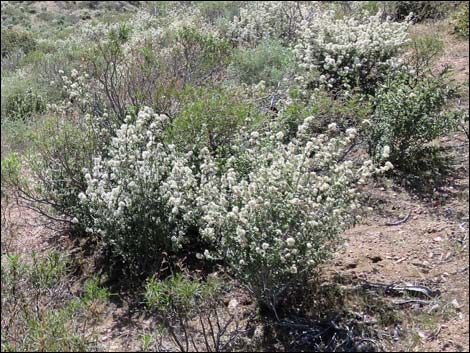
column 272, row 211
column 139, row 192
column 283, row 214
column 349, row 52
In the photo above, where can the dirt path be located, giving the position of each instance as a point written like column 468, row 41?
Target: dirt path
column 431, row 248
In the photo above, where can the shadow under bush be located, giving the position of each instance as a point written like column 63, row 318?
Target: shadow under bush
column 335, row 316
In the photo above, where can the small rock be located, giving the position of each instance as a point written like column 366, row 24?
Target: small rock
column 233, row 304
column 455, row 304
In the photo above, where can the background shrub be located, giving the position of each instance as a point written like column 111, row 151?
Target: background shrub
column 59, row 151
column 344, row 111
column 409, row 114
column 212, row 117
column 422, row 10
column 268, row 62
column 462, row 21
column 348, row 53
column 422, row 53
column 24, row 105
column 14, row 40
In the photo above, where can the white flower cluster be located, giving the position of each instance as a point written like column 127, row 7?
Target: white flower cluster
column 349, row 52
column 268, row 19
column 139, row 194
column 285, row 215
column 76, row 86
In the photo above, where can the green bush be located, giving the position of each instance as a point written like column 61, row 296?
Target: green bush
column 10, row 172
column 157, row 68
column 214, row 11
column 181, row 300
column 344, row 111
column 197, row 54
column 422, row 10
column 179, row 293
column 211, row 116
column 462, row 21
column 14, row 41
column 409, row 115
column 24, row 105
column 268, row 62
column 37, row 312
column 59, row 152
column 423, row 51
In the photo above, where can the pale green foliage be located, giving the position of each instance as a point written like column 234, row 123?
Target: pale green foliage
column 268, row 62
column 24, row 105
column 182, row 300
column 37, row 311
column 422, row 54
column 461, row 21
column 180, row 294
column 409, row 114
column 10, row 172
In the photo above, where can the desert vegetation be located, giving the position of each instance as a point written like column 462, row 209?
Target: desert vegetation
column 234, row 176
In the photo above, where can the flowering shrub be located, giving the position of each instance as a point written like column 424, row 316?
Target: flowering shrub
column 349, row 52
column 139, row 192
column 279, row 209
column 268, row 20
column 408, row 116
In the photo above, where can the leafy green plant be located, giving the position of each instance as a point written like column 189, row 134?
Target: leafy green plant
column 268, row 62
column 461, row 21
column 409, row 114
column 214, row 11
column 182, row 302
column 59, row 152
column 14, row 41
column 344, row 111
column 423, row 51
column 37, row 313
column 10, row 172
column 212, row 117
column 93, row 292
column 24, row 105
column 421, row 10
